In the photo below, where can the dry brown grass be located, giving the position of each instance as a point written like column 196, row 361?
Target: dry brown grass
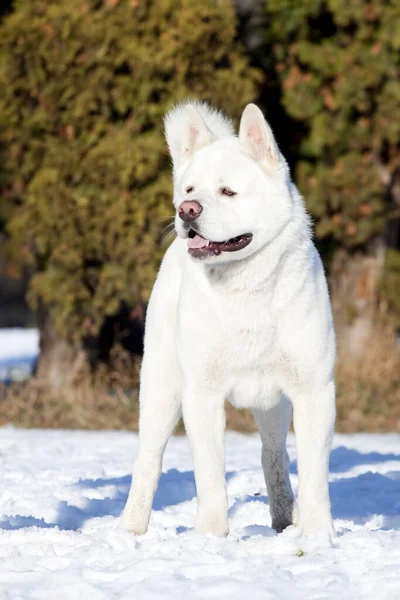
column 86, row 407
column 83, row 407
column 107, row 401
column 368, row 389
column 368, row 398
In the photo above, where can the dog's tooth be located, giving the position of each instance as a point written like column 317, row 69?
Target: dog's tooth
column 207, row 242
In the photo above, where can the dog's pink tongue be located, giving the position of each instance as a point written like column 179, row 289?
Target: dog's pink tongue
column 197, row 242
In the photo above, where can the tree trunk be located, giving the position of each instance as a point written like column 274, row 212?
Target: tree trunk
column 60, row 363
column 353, row 282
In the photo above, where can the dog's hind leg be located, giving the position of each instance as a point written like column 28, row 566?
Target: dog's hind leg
column 160, row 405
column 273, row 424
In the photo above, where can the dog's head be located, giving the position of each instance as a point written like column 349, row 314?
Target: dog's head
column 231, row 193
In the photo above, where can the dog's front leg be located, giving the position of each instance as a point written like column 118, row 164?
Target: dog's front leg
column 314, row 416
column 159, row 412
column 160, row 409
column 204, row 416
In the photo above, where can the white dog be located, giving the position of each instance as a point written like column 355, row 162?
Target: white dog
column 240, row 311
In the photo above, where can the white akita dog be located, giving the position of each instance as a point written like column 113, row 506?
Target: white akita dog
column 240, row 311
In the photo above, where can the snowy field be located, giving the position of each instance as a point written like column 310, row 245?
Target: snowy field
column 19, row 349
column 62, row 493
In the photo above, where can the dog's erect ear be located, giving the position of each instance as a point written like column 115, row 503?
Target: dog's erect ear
column 191, row 126
column 186, row 134
column 256, row 137
column 196, row 134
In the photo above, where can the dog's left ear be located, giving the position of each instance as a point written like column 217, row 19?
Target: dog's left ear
column 256, row 137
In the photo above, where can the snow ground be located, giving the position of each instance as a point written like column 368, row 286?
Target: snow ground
column 19, row 349
column 18, row 342
column 62, row 493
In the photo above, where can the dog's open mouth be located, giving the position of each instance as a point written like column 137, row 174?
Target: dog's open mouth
column 200, row 247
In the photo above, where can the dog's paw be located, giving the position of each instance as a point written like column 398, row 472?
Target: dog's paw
column 293, row 541
column 281, row 524
column 315, row 542
column 219, row 528
column 132, row 525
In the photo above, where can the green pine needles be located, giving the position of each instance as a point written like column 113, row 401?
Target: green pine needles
column 85, row 85
column 338, row 64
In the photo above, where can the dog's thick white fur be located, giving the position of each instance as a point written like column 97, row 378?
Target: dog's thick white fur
column 251, row 325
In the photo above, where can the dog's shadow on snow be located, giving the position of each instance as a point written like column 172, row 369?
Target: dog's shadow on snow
column 174, row 488
column 354, row 498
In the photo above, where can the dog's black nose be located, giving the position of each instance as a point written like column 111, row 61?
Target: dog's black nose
column 189, row 210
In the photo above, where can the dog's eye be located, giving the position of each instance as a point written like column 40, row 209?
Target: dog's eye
column 227, row 192
column 189, row 189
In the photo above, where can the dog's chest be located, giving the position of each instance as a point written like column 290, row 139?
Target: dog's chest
column 238, row 329
column 252, row 367
column 250, row 340
column 256, row 369
column 229, row 342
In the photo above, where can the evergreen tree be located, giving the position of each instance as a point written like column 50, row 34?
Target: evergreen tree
column 85, row 85
column 338, row 63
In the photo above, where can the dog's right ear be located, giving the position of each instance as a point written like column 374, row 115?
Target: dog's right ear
column 186, row 132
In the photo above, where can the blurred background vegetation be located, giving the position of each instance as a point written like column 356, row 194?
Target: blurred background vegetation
column 85, row 180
